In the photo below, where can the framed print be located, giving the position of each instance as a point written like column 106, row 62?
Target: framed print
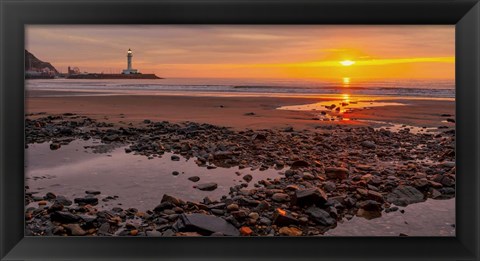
column 240, row 130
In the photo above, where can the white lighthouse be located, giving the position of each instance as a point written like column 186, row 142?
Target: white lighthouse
column 129, row 69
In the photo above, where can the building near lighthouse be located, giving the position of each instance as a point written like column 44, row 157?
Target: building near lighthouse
column 129, row 69
column 129, row 73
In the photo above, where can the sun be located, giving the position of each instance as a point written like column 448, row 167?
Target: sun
column 347, row 63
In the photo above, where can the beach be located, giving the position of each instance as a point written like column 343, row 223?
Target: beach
column 235, row 112
column 249, row 165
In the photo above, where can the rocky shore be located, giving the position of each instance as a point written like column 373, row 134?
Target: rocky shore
column 327, row 174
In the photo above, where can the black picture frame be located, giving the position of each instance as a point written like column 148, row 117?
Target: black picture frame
column 15, row 14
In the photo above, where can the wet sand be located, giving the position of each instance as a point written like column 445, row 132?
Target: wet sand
column 235, row 112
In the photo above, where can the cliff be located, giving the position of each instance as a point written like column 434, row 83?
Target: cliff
column 32, row 63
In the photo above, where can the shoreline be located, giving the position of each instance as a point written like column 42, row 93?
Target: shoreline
column 237, row 112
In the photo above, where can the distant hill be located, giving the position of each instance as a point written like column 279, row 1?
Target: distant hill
column 32, row 63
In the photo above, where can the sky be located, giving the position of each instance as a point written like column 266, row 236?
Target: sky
column 251, row 51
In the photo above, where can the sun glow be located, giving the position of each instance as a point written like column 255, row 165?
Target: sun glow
column 346, row 81
column 347, row 63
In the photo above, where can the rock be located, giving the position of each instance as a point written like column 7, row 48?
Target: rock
column 371, row 205
column 308, row 176
column 290, row 173
column 194, row 178
column 75, row 230
column 175, row 158
column 368, row 144
column 284, row 218
column 329, row 186
column 93, row 192
column 86, row 201
column 254, row 216
column 420, row 183
column 175, row 173
column 336, row 173
column 249, row 114
column 404, row 195
column 374, row 195
column 320, row 216
column 245, row 231
column 50, row 196
column 154, row 233
column 171, row 199
column 247, row 178
column 280, row 197
column 55, row 207
column 55, row 146
column 265, row 221
column 64, row 217
column 63, row 200
column 232, row 207
column 207, row 186
column 310, row 196
column 204, row 224
column 299, row 164
column 290, row 231
column 367, row 214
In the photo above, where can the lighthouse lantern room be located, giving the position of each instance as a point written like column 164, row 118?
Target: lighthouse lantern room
column 129, row 69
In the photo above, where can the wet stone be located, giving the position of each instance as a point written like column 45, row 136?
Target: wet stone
column 207, row 186
column 311, row 196
column 320, row 216
column 204, row 224
column 405, row 195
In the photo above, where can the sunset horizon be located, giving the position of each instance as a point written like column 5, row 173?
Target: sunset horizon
column 373, row 52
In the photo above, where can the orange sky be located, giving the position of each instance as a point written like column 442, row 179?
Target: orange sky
column 252, row 51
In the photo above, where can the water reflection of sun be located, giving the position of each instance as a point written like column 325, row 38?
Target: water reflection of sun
column 346, row 81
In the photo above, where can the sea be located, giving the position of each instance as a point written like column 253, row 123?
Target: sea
column 255, row 87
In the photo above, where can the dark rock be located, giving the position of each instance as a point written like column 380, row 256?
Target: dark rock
column 75, row 230
column 299, row 164
column 86, row 201
column 404, row 195
column 368, row 144
column 55, row 146
column 63, row 200
column 336, row 173
column 175, row 173
column 55, row 207
column 320, row 216
column 247, row 178
column 204, row 224
column 371, row 205
column 280, row 197
column 171, row 199
column 207, row 186
column 329, row 186
column 50, row 196
column 284, row 218
column 64, row 217
column 194, row 178
column 175, row 158
column 310, row 196
column 93, row 192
